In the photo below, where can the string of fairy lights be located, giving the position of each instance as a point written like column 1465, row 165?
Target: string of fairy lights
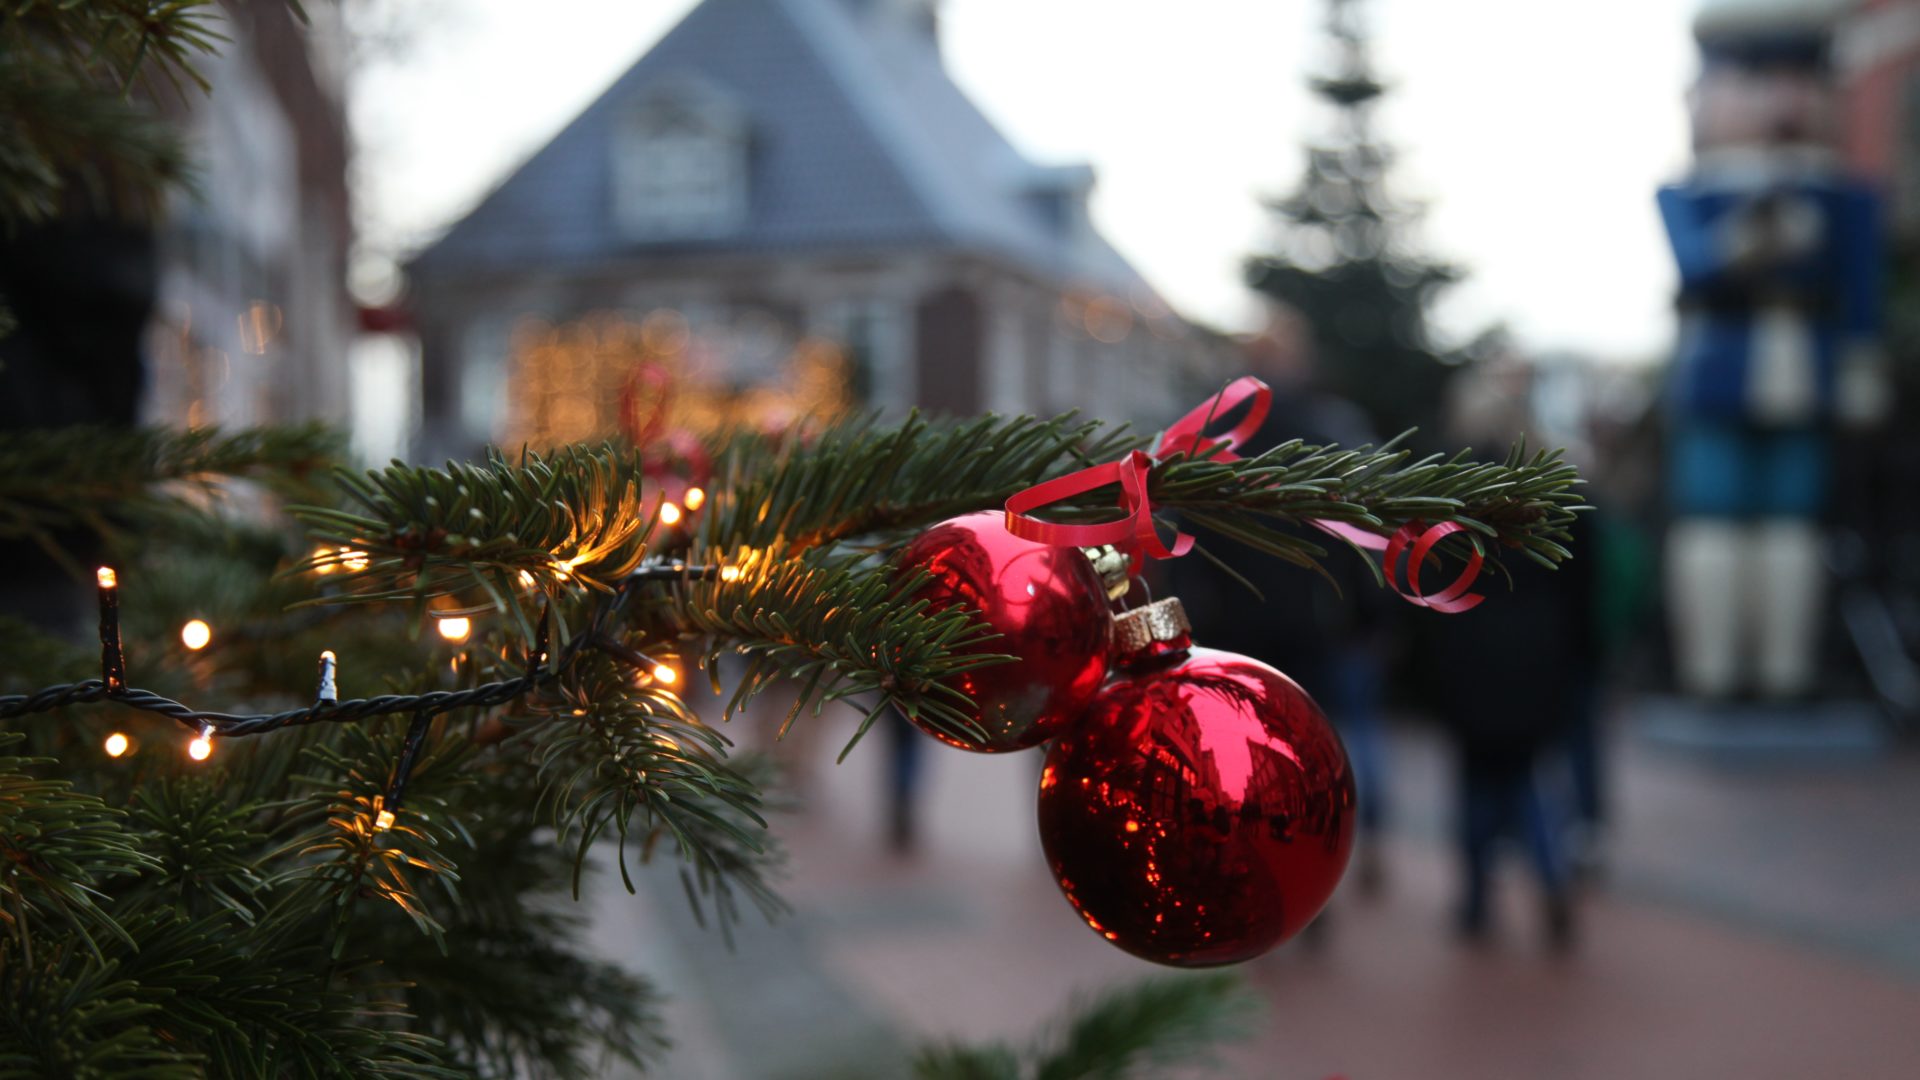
column 207, row 725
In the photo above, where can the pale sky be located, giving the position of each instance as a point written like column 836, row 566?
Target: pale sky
column 1534, row 132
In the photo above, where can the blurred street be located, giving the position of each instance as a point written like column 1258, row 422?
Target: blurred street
column 1758, row 921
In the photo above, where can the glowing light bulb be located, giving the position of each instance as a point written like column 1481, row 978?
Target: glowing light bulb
column 695, row 498
column 669, row 514
column 383, row 821
column 118, row 744
column 201, row 748
column 196, row 634
column 729, row 573
column 352, row 559
column 106, row 577
column 665, row 674
column 454, row 629
column 323, row 561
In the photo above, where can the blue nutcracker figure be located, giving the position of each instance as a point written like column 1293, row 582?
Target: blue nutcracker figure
column 1779, row 260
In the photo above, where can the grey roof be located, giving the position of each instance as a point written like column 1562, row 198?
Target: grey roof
column 859, row 139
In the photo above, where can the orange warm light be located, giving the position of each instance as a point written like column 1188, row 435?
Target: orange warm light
column 455, row 629
column 669, row 514
column 118, row 744
column 196, row 634
column 695, row 498
column 201, row 748
column 665, row 674
column 106, row 577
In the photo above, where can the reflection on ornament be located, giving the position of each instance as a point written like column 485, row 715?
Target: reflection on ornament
column 1202, row 810
column 1050, row 609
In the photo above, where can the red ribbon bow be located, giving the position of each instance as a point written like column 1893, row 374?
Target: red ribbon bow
column 1187, row 435
column 1135, row 531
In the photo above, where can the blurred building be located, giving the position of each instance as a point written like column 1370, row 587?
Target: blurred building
column 772, row 175
column 1878, row 55
column 252, row 318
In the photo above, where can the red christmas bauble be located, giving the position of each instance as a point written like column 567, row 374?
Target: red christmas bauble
column 1202, row 810
column 1047, row 604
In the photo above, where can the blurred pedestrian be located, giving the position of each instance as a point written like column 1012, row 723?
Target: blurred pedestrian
column 1512, row 680
column 906, row 757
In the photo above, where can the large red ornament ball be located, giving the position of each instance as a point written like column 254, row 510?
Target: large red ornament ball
column 1202, row 811
column 1047, row 604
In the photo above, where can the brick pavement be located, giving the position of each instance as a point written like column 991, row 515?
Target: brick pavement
column 1756, row 925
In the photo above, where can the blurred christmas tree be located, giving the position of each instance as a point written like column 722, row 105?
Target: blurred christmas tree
column 1345, row 263
column 286, row 879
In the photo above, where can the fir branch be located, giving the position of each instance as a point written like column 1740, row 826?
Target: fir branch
column 841, row 627
column 568, row 519
column 516, row 1000
column 101, row 478
column 114, row 40
column 956, row 1061
column 1523, row 504
column 347, row 858
column 252, row 1000
column 69, row 1018
column 67, row 114
column 639, row 763
column 859, row 478
column 58, row 850
column 58, row 132
column 206, row 849
column 1138, row 1029
column 521, row 993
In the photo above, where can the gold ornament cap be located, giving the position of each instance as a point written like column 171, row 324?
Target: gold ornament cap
column 1140, row 628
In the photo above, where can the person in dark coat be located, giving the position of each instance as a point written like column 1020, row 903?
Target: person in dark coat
column 1509, row 679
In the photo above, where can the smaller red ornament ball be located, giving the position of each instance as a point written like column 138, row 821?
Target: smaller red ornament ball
column 1202, row 811
column 1049, row 607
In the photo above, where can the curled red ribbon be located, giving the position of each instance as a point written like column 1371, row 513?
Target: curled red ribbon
column 1454, row 598
column 1187, row 435
column 1451, row 600
column 1134, row 531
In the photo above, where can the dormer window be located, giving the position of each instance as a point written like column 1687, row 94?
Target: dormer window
column 680, row 166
